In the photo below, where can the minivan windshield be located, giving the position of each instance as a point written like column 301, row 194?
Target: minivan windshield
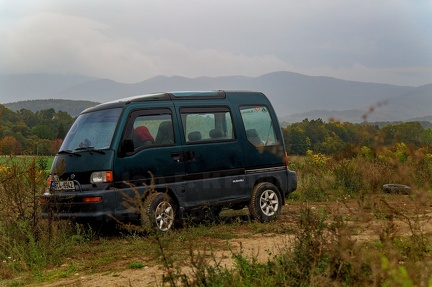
column 93, row 130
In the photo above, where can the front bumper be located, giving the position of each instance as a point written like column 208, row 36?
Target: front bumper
column 101, row 205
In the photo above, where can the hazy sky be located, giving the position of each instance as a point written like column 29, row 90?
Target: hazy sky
column 385, row 41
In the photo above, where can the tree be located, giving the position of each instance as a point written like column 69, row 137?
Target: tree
column 427, row 137
column 45, row 115
column 296, row 140
column 331, row 145
column 10, row 146
column 408, row 133
column 29, row 118
column 44, row 132
column 22, row 128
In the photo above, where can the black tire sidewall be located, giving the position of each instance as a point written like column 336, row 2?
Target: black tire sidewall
column 254, row 204
column 150, row 205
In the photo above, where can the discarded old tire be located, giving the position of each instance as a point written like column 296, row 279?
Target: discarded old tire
column 396, row 188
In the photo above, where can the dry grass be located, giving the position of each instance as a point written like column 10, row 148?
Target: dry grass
column 344, row 230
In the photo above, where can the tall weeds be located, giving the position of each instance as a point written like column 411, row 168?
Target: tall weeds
column 345, row 231
column 25, row 243
column 360, row 236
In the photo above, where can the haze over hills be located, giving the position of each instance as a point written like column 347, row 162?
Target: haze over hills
column 36, row 86
column 414, row 105
column 294, row 96
column 72, row 107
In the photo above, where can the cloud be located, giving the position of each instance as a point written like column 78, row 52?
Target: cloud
column 66, row 44
column 49, row 42
column 130, row 41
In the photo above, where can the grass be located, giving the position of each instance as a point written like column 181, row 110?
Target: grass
column 338, row 229
column 44, row 162
column 317, row 227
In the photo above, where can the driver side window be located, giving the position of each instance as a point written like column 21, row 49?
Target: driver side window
column 150, row 128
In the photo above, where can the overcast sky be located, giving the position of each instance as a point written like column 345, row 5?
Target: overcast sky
column 384, row 41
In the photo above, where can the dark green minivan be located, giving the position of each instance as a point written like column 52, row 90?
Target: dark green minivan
column 180, row 153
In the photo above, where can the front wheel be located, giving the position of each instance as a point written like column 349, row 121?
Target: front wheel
column 160, row 211
column 265, row 203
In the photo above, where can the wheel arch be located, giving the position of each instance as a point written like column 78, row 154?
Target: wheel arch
column 169, row 192
column 273, row 180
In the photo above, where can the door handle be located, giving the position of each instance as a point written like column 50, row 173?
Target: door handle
column 183, row 156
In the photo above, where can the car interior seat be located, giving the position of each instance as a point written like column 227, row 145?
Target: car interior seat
column 216, row 134
column 253, row 137
column 165, row 133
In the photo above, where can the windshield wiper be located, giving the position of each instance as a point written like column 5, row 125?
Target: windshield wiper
column 90, row 149
column 69, row 152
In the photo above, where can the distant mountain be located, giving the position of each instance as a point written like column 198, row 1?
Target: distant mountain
column 422, row 119
column 289, row 92
column 71, row 107
column 415, row 105
column 293, row 95
column 36, row 86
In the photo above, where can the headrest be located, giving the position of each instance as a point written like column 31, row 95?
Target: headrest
column 194, row 136
column 216, row 133
column 251, row 133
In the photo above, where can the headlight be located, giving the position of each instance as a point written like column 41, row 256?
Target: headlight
column 101, row 176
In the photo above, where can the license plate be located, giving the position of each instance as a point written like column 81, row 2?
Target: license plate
column 63, row 185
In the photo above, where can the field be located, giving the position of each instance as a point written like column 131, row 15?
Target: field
column 339, row 228
column 131, row 260
column 43, row 162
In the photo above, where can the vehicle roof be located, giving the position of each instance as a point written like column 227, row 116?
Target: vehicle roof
column 178, row 95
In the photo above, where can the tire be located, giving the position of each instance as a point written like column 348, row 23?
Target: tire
column 396, row 188
column 160, row 211
column 265, row 204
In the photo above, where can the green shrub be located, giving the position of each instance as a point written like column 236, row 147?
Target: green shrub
column 348, row 179
column 27, row 242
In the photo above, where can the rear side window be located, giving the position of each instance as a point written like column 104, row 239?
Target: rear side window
column 258, row 125
column 207, row 124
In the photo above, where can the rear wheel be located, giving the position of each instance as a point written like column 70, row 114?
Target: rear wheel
column 265, row 203
column 161, row 211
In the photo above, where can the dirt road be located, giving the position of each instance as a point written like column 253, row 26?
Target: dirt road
column 368, row 221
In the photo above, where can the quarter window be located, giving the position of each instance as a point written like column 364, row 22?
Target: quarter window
column 258, row 125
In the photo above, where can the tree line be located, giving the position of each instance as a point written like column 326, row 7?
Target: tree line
column 32, row 133
column 40, row 133
column 346, row 139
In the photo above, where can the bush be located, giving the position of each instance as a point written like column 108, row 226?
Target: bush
column 27, row 242
column 314, row 177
